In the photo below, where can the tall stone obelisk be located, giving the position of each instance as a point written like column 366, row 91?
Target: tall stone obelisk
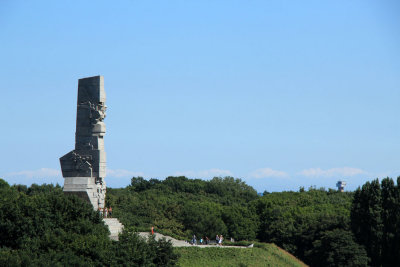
column 84, row 168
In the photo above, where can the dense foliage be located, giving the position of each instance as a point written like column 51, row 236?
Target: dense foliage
column 375, row 217
column 181, row 207
column 314, row 225
column 40, row 226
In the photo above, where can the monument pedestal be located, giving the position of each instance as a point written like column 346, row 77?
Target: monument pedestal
column 87, row 189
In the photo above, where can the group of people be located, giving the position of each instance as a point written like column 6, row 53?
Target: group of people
column 105, row 212
column 206, row 240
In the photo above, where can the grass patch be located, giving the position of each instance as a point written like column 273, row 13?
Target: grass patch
column 261, row 255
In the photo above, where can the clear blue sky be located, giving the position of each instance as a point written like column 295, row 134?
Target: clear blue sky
column 282, row 94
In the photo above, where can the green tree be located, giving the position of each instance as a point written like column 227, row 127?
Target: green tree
column 241, row 222
column 366, row 219
column 337, row 248
column 41, row 226
column 203, row 218
column 295, row 220
column 139, row 184
column 391, row 223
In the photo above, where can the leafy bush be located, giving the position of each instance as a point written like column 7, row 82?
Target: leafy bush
column 182, row 207
column 40, row 226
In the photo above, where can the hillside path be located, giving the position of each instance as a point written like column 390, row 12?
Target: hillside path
column 182, row 243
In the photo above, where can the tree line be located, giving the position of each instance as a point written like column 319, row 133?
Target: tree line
column 321, row 227
column 39, row 225
column 375, row 221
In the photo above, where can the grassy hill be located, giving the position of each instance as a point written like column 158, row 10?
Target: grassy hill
column 261, row 255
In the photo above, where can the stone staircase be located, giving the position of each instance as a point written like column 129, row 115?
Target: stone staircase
column 114, row 226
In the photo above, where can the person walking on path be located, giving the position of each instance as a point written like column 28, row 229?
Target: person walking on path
column 152, row 230
column 194, row 240
column 221, row 238
column 217, row 239
column 101, row 212
column 110, row 212
column 105, row 212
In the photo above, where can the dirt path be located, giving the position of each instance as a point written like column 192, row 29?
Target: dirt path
column 181, row 243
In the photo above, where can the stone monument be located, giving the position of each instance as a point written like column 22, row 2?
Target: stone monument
column 84, row 168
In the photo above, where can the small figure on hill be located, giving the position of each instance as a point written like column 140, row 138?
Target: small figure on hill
column 101, row 212
column 110, row 212
column 221, row 238
column 152, row 230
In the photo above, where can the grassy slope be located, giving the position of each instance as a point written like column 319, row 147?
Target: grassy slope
column 262, row 255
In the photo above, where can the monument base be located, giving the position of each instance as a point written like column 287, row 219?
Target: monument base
column 87, row 189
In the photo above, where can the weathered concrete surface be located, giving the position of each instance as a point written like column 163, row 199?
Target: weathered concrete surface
column 84, row 168
column 114, row 226
column 182, row 243
column 175, row 242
